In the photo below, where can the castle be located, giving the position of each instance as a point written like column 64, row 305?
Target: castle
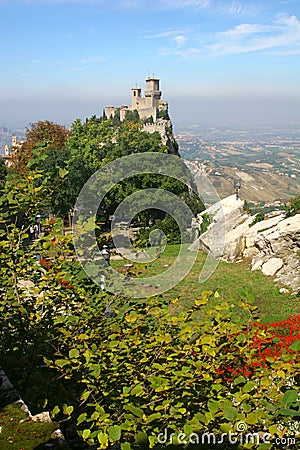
column 150, row 107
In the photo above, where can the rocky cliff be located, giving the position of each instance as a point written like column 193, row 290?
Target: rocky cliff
column 272, row 245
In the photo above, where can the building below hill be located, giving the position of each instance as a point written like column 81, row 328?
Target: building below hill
column 9, row 150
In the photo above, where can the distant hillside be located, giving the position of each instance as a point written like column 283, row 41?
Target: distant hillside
column 256, row 185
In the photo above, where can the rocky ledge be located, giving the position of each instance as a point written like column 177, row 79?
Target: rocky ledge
column 273, row 245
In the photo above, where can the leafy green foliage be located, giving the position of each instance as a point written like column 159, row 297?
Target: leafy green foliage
column 3, row 172
column 132, row 116
column 163, row 114
column 147, row 370
column 258, row 218
column 294, row 207
column 150, row 367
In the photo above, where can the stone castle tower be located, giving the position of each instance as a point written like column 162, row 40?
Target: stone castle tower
column 151, row 109
column 147, row 107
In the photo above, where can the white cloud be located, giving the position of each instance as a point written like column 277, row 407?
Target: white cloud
column 237, row 8
column 140, row 4
column 282, row 34
column 187, row 53
column 166, row 34
column 180, row 40
column 179, row 4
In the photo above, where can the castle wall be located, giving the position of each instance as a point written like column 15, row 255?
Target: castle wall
column 153, row 127
column 110, row 111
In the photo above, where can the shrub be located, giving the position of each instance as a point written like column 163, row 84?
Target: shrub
column 147, row 370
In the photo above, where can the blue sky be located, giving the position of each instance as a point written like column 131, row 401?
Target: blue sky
column 219, row 61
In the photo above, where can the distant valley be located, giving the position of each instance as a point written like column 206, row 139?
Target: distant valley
column 267, row 164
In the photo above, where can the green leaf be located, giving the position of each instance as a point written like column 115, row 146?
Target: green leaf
column 103, row 438
column 213, row 406
column 55, row 411
column 85, row 395
column 253, row 417
column 230, row 413
column 248, row 386
column 201, row 301
column 289, row 412
column 61, row 362
column 152, row 441
column 125, row 446
column 141, row 438
column 96, row 369
column 225, row 428
column 68, row 410
column 114, row 433
column 74, row 353
column 81, row 418
column 134, row 410
column 86, row 434
column 289, row 397
column 239, row 380
column 62, row 172
column 295, row 346
column 137, row 390
column 153, row 417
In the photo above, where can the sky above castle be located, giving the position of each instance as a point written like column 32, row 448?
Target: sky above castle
column 219, row 61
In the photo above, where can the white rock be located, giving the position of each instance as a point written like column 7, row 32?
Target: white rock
column 259, row 227
column 283, row 291
column 224, row 237
column 274, row 244
column 272, row 266
column 250, row 252
column 42, row 417
column 257, row 264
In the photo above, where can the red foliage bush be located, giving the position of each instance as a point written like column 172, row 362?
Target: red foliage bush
column 270, row 340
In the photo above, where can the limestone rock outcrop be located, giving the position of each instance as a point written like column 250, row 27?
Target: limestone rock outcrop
column 224, row 236
column 273, row 245
column 280, row 242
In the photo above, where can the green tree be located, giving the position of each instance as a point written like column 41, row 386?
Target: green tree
column 43, row 135
column 294, row 207
column 3, row 172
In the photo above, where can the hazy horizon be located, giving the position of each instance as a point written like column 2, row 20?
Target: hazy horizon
column 218, row 112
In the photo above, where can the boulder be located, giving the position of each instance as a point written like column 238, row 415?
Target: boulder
column 259, row 227
column 282, row 242
column 271, row 266
column 257, row 264
column 224, row 236
column 250, row 252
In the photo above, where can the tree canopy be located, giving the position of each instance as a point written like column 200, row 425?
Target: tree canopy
column 66, row 159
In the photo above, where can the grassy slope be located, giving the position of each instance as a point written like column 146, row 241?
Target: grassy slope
column 19, row 433
column 232, row 280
